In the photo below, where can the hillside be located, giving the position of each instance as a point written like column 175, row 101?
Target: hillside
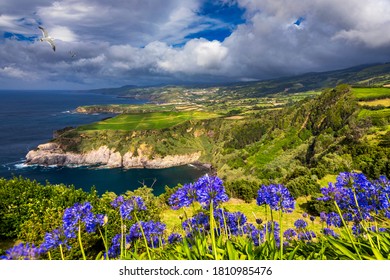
column 375, row 75
column 300, row 141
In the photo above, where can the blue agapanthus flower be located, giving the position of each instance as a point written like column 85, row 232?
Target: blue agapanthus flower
column 210, row 189
column 126, row 207
column 334, row 219
column 329, row 232
column 357, row 229
column 300, row 224
column 22, row 251
column 357, row 195
column 207, row 190
column 115, row 247
column 196, row 224
column 272, row 230
column 255, row 234
column 377, row 229
column 306, row 235
column 118, row 201
column 77, row 215
column 183, row 197
column 323, row 217
column 53, row 240
column 233, row 221
column 175, row 238
column 277, row 197
column 289, row 234
column 153, row 231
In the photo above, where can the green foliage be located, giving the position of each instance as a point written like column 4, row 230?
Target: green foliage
column 303, row 186
column 242, row 189
column 371, row 160
column 315, row 206
column 26, row 204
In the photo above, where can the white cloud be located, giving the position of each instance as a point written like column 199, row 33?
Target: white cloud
column 14, row 72
column 197, row 56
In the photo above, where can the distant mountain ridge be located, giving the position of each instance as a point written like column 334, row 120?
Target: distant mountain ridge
column 372, row 75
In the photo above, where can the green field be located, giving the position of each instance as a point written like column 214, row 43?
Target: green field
column 375, row 115
column 147, row 121
column 371, row 93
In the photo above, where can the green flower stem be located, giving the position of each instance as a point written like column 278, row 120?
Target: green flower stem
column 62, row 253
column 224, row 224
column 122, row 240
column 143, row 235
column 214, row 244
column 281, row 233
column 348, row 231
column 104, row 241
column 81, row 243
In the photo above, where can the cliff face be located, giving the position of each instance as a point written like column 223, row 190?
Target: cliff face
column 52, row 154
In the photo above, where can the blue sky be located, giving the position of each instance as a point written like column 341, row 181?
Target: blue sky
column 112, row 43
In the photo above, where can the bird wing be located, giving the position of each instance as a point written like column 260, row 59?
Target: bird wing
column 51, row 42
column 44, row 32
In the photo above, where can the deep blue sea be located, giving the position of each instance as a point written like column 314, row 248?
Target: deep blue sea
column 29, row 118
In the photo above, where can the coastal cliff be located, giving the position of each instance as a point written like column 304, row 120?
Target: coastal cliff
column 52, row 154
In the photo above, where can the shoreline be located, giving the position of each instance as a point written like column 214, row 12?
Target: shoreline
column 51, row 154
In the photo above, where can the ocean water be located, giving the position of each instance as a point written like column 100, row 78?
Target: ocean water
column 29, row 118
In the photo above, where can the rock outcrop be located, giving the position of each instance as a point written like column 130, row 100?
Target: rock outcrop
column 52, row 154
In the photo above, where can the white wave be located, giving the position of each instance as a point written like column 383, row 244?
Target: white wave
column 22, row 165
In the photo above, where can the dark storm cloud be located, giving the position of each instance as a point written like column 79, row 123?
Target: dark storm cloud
column 108, row 43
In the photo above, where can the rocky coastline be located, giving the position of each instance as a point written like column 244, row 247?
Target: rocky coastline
column 50, row 154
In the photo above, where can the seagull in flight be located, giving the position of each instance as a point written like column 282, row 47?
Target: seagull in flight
column 47, row 38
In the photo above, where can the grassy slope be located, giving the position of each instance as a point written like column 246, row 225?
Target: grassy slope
column 371, row 93
column 147, row 121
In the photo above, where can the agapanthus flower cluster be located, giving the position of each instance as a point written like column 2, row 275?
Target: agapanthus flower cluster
column 306, row 235
column 255, row 234
column 80, row 214
column 53, row 240
column 329, row 232
column 207, row 190
column 175, row 238
column 334, row 219
column 323, row 217
column 153, row 233
column 183, row 197
column 289, row 234
column 210, row 189
column 22, row 251
column 199, row 223
column 300, row 224
column 269, row 230
column 234, row 222
column 115, row 248
column 277, row 197
column 377, row 229
column 272, row 228
column 355, row 194
column 126, row 207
